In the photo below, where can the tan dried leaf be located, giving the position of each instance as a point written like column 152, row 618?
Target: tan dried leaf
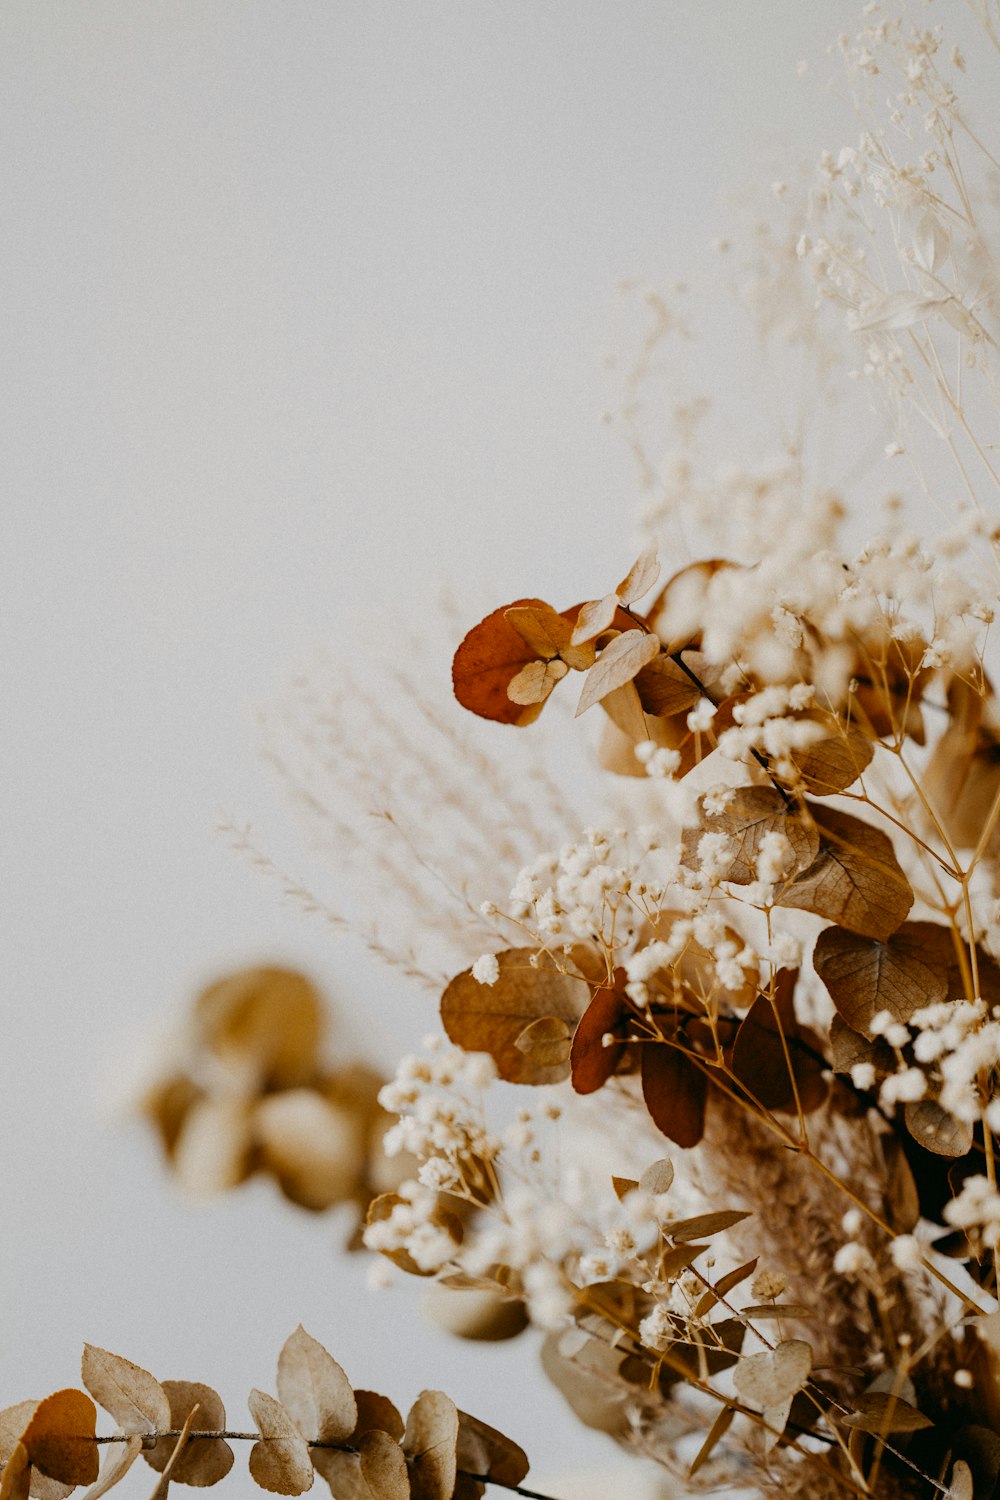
column 209, row 1459
column 490, row 1018
column 716, row 1432
column 657, row 1178
column 315, row 1390
column 625, row 712
column 59, row 1438
column 775, row 1418
column 704, row 1224
column 534, row 683
column 383, row 1467
column 16, row 1478
column 594, row 618
column 664, row 688
column 936, row 1130
column 484, row 1450
column 752, row 812
column 865, row 975
column 431, row 1445
column 13, row 1421
column 269, row 1019
column 767, row 1310
column 546, row 1041
column 542, row 629
column 640, row 577
column 116, row 1465
column 855, row 879
column 882, row 1413
column 624, row 1186
column 724, row 1286
column 377, row 1414
column 617, row 664
column 212, row 1153
column 769, row 1379
column 316, row 1147
column 961, row 1486
column 482, row 1314
column 835, row 762
column 280, row 1460
column 131, row 1395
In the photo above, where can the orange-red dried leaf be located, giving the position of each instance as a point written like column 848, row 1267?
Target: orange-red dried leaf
column 855, row 879
column 591, row 1062
column 675, row 1090
column 16, row 1478
column 60, row 1438
column 488, row 660
column 900, row 974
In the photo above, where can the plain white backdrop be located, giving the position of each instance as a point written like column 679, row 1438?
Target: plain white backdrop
column 306, row 308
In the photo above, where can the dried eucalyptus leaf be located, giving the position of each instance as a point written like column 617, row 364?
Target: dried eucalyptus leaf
column 280, row 1460
column 383, row 1467
column 855, row 879
column 59, row 1438
column 594, row 618
column 724, row 1286
column 490, row 1018
column 484, row 1450
column 487, row 661
column 899, row 974
column 209, row 1459
column 882, row 1413
column 767, row 1380
column 768, row 1310
column 716, row 1432
column 835, row 762
column 534, row 683
column 13, row 1421
column 542, row 629
column 704, row 1224
column 751, row 813
column 617, row 664
column 431, row 1445
column 591, row 1062
column 640, row 577
column 483, row 1315
column 658, row 1178
column 314, row 1390
column 936, row 1130
column 546, row 1041
column 623, row 1186
column 16, row 1477
column 775, row 1419
column 675, row 1092
column 132, row 1396
column 377, row 1414
column 961, row 1486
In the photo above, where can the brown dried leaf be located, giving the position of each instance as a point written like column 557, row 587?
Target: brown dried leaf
column 685, row 1230
column 60, row 1438
column 936, row 1130
column 625, row 712
column 131, row 1395
column 43, row 1488
column 490, row 1018
column 675, row 1090
column 314, row 1390
column 769, row 1379
column 383, row 1467
column 315, row 1146
column 777, row 1310
column 725, row 1285
column 752, row 812
column 542, row 629
column 487, row 661
column 431, row 1445
column 592, row 1063
column 377, row 1414
column 546, row 1042
column 209, row 1459
column 623, row 1186
column 665, row 689
column 855, row 879
column 835, row 762
column 16, row 1477
column 213, row 1152
column 716, row 1432
column 640, row 577
column 900, row 974
column 902, row 1196
column 617, row 664
column 13, row 1421
column 848, row 1047
column 759, row 1060
column 882, row 1413
column 116, row 1465
column 280, row 1460
column 484, row 1450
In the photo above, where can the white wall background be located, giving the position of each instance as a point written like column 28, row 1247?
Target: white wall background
column 305, row 308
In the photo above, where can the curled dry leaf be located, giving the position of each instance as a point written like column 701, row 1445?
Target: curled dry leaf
column 899, row 974
column 752, row 812
column 481, row 1314
column 280, row 1460
column 594, row 618
column 116, row 1465
column 267, row 1019
column 617, row 665
column 315, row 1390
column 855, row 879
column 769, row 1379
column 430, row 1442
column 59, row 1438
column 488, row 660
column 131, row 1395
column 546, row 1041
column 209, row 1459
column 936, row 1130
column 490, row 1018
column 15, row 1481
